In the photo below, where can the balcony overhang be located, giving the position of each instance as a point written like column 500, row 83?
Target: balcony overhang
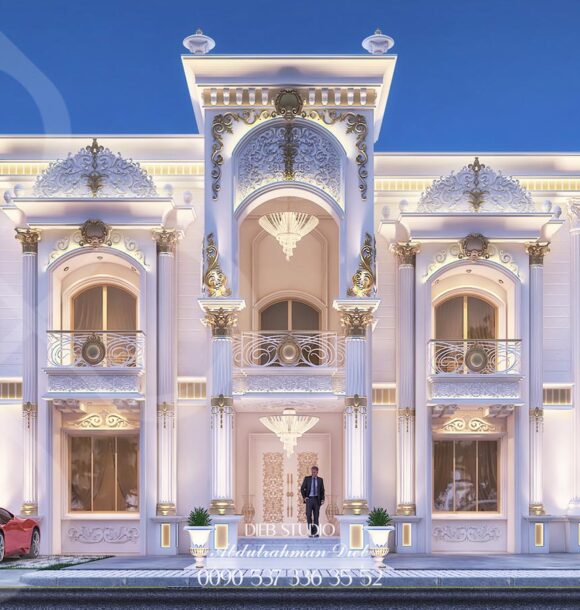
column 446, row 226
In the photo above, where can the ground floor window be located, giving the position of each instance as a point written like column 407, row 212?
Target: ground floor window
column 465, row 476
column 104, row 473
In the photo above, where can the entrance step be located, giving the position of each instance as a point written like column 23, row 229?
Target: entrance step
column 327, row 544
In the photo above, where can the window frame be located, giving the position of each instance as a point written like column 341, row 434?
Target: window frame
column 465, row 325
column 290, row 316
column 104, row 286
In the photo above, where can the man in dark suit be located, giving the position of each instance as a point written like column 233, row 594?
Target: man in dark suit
column 312, row 490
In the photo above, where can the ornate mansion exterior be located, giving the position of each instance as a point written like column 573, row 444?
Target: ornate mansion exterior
column 167, row 301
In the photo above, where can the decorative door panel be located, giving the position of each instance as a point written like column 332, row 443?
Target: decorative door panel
column 275, row 480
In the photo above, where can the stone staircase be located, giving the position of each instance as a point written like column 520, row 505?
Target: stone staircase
column 327, row 544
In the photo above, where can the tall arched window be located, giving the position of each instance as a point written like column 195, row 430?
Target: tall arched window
column 465, row 317
column 290, row 315
column 104, row 307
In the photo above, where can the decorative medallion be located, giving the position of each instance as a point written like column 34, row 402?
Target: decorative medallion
column 536, row 251
column 95, row 233
column 288, row 104
column 94, row 171
column 214, row 279
column 355, row 321
column 289, row 352
column 29, row 239
column 476, row 359
column 476, row 188
column 406, row 252
column 474, row 246
column 221, row 321
column 93, row 350
column 364, row 280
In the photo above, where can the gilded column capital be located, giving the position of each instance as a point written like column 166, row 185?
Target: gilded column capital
column 166, row 240
column 355, row 321
column 536, row 251
column 405, row 252
column 221, row 321
column 29, row 239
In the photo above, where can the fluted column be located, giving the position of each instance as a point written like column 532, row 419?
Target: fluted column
column 355, row 321
column 222, row 321
column 166, row 372
column 405, row 253
column 29, row 239
column 574, row 217
column 536, row 252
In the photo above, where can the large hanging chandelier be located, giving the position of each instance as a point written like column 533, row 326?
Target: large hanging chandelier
column 289, row 427
column 288, row 228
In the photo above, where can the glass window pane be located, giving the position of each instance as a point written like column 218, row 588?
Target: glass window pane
column 487, row 453
column 443, row 475
column 304, row 317
column 128, row 473
column 449, row 320
column 88, row 309
column 480, row 319
column 275, row 317
column 80, row 473
column 103, row 474
column 464, row 476
column 121, row 309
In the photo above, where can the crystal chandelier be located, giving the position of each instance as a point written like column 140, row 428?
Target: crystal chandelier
column 289, row 427
column 288, row 228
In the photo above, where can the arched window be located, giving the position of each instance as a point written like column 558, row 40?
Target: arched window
column 289, row 315
column 465, row 317
column 104, row 307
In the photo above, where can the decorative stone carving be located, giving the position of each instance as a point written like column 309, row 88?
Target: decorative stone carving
column 29, row 412
column 214, row 280
column 499, row 411
column 29, row 239
column 364, row 280
column 463, row 533
column 93, row 383
column 406, row 253
column 95, row 233
column 475, row 389
column 357, row 406
column 476, row 188
column 440, row 411
column 110, row 535
column 94, row 171
column 221, row 320
column 166, row 415
column 536, row 251
column 453, row 253
column 101, row 420
column 264, row 159
column 474, row 246
column 473, row 425
column 115, row 240
column 288, row 383
column 288, row 103
column 220, row 406
column 272, row 486
column 166, row 240
column 355, row 321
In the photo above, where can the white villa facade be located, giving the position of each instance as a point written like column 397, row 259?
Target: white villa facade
column 148, row 321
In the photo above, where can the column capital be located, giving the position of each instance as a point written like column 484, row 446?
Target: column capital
column 222, row 321
column 536, row 251
column 573, row 212
column 405, row 252
column 355, row 321
column 29, row 239
column 166, row 240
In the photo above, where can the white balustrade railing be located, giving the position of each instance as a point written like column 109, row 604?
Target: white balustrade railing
column 475, row 356
column 95, row 348
column 288, row 349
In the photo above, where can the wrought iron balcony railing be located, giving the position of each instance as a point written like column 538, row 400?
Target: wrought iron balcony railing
column 95, row 348
column 288, row 349
column 475, row 356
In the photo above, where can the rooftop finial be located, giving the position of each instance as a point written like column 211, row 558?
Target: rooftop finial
column 378, row 43
column 199, row 43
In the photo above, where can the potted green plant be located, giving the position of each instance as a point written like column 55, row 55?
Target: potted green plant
column 199, row 528
column 379, row 529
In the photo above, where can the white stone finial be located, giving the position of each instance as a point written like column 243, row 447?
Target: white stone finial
column 378, row 43
column 199, row 43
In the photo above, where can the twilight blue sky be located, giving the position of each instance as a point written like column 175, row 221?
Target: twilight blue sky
column 471, row 75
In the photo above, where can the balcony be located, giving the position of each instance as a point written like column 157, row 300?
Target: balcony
column 475, row 370
column 288, row 361
column 99, row 361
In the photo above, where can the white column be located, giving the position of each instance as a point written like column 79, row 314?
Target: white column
column 536, row 252
column 574, row 217
column 29, row 239
column 166, row 372
column 355, row 320
column 406, row 254
column 222, row 320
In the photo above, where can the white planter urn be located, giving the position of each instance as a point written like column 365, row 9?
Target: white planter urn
column 199, row 542
column 379, row 542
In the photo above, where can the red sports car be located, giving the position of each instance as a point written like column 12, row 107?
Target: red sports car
column 18, row 536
